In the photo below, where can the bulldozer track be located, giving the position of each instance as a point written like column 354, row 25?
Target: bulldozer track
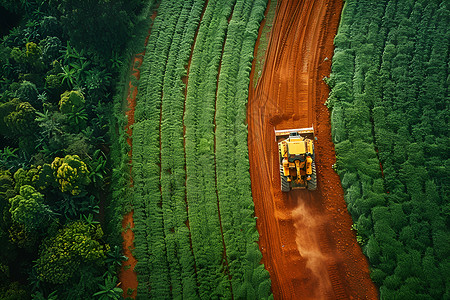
column 280, row 49
column 338, row 289
column 324, row 242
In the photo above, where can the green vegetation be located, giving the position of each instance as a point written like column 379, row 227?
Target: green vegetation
column 201, row 196
column 58, row 69
column 264, row 40
column 173, row 191
column 185, row 245
column 389, row 103
column 121, row 196
column 156, row 196
column 249, row 278
column 63, row 255
column 71, row 173
column 189, row 186
column 29, row 210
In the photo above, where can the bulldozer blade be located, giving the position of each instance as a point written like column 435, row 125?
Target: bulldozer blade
column 286, row 132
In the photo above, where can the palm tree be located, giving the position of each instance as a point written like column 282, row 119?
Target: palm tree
column 78, row 118
column 71, row 54
column 68, row 75
column 98, row 167
column 40, row 296
column 115, row 257
column 109, row 290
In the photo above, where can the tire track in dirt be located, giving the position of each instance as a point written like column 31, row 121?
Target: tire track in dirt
column 305, row 237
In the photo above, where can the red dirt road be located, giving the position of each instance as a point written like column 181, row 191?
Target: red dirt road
column 305, row 237
column 127, row 275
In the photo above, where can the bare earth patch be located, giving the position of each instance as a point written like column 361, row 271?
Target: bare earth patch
column 305, row 237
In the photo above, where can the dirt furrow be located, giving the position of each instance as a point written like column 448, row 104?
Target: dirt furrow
column 127, row 275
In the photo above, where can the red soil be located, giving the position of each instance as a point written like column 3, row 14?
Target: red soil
column 306, row 239
column 127, row 275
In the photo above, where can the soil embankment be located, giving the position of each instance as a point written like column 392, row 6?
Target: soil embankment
column 305, row 237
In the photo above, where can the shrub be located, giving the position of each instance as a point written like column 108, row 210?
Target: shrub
column 51, row 47
column 5, row 110
column 72, row 101
column 28, row 209
column 28, row 92
column 25, row 177
column 75, row 245
column 21, row 121
column 71, row 173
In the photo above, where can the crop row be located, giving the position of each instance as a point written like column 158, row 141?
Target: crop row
column 249, row 278
column 389, row 104
column 173, row 175
column 120, row 202
column 204, row 218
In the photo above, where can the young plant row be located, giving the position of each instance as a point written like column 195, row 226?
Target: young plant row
column 120, row 202
column 180, row 257
column 152, row 266
column 389, row 104
column 204, row 216
column 249, row 278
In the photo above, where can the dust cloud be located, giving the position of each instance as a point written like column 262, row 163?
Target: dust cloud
column 308, row 226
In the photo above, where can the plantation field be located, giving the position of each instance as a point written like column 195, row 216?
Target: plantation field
column 390, row 109
column 203, row 190
column 194, row 226
column 138, row 157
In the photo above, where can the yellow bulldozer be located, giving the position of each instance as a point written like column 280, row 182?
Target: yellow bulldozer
column 297, row 165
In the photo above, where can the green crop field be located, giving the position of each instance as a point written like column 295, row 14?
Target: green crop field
column 390, row 110
column 195, row 231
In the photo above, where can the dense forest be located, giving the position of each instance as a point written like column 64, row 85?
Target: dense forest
column 60, row 62
column 390, row 109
